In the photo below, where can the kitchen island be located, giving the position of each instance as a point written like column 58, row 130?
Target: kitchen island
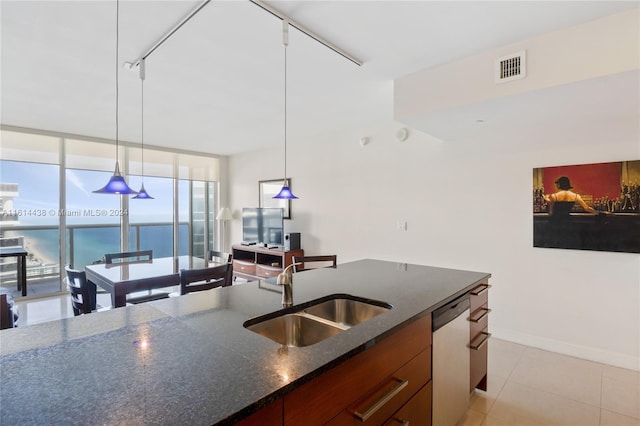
column 189, row 360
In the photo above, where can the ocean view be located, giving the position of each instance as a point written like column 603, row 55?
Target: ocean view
column 31, row 209
column 91, row 244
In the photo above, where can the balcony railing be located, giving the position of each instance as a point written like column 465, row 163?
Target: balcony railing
column 84, row 245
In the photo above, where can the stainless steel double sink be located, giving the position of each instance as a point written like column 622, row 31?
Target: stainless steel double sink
column 317, row 320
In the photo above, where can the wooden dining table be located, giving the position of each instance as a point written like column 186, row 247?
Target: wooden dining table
column 120, row 279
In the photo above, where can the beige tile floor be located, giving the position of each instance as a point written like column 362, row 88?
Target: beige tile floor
column 527, row 386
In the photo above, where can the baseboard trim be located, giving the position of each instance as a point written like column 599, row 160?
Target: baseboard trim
column 592, row 354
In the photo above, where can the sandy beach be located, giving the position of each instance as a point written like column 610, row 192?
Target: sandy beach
column 31, row 245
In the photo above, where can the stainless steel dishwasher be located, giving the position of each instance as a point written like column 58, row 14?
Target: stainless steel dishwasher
column 451, row 358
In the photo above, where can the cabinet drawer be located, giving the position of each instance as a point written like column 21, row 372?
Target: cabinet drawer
column 478, row 360
column 266, row 271
column 389, row 395
column 334, row 391
column 415, row 412
column 479, row 296
column 479, row 320
column 244, row 267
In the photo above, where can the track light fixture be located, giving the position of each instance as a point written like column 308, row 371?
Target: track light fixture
column 285, row 193
column 116, row 185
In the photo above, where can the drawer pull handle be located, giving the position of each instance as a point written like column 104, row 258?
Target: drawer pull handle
column 480, row 289
column 484, row 338
column 401, row 421
column 483, row 313
column 382, row 401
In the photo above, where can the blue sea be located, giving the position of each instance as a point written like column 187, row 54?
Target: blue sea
column 91, row 244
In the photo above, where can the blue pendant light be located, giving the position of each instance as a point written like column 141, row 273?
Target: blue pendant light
column 117, row 184
column 142, row 194
column 285, row 193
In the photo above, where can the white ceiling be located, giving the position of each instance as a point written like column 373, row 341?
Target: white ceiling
column 217, row 85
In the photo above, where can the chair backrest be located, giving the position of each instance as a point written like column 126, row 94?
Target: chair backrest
column 205, row 279
column 129, row 257
column 81, row 298
column 6, row 313
column 220, row 256
column 313, row 262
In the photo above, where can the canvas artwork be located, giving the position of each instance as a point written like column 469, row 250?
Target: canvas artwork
column 588, row 207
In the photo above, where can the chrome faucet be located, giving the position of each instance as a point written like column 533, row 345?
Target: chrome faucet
column 285, row 279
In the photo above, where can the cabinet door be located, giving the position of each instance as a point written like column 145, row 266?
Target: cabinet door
column 417, row 411
column 271, row 415
column 478, row 358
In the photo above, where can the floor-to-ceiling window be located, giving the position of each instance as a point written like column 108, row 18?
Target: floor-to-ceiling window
column 201, row 208
column 46, row 186
column 198, row 218
column 92, row 220
column 30, row 202
column 30, row 220
column 212, row 200
column 151, row 220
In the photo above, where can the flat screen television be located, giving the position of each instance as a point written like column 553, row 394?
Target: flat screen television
column 263, row 225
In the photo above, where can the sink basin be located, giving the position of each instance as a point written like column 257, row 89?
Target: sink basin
column 294, row 330
column 317, row 320
column 346, row 312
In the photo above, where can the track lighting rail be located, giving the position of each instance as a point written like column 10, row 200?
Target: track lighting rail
column 262, row 5
column 170, row 33
column 307, row 31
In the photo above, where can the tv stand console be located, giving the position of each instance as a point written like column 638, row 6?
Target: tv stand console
column 256, row 262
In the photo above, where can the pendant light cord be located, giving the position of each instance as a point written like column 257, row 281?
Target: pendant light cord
column 117, row 86
column 285, row 43
column 142, row 122
column 285, row 112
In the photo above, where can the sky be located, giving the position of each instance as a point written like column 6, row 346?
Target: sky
column 37, row 202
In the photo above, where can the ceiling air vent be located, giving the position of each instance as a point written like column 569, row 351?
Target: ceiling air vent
column 511, row 67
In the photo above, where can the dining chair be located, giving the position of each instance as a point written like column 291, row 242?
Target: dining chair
column 129, row 257
column 206, row 278
column 8, row 310
column 83, row 294
column 220, row 256
column 324, row 261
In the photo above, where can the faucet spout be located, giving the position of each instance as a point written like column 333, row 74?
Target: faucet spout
column 287, row 295
column 285, row 279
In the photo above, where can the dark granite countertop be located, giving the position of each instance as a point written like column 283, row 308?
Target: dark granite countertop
column 189, row 360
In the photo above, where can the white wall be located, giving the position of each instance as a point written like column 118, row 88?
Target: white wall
column 468, row 202
column 594, row 49
column 468, row 206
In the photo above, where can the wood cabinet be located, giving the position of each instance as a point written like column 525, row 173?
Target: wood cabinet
column 479, row 336
column 415, row 412
column 374, row 385
column 390, row 383
column 254, row 262
column 271, row 415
